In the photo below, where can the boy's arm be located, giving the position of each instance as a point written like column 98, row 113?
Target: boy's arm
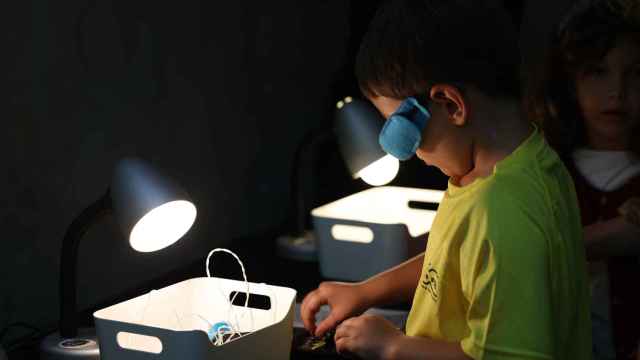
column 373, row 337
column 615, row 237
column 410, row 347
column 345, row 300
column 395, row 285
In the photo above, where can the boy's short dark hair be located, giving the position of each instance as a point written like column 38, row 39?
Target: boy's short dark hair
column 412, row 44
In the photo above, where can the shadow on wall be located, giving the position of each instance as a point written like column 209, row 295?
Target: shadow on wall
column 215, row 94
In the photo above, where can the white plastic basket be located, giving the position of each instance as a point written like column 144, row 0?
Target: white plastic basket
column 370, row 231
column 163, row 324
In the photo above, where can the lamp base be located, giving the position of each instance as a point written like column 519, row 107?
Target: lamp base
column 83, row 346
column 298, row 247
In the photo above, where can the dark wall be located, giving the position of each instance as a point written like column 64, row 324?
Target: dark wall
column 539, row 19
column 217, row 94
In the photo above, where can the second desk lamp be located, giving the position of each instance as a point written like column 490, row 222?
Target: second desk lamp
column 357, row 127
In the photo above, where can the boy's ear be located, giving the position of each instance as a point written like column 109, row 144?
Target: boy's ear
column 453, row 100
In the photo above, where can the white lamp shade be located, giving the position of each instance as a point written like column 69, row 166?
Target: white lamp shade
column 153, row 211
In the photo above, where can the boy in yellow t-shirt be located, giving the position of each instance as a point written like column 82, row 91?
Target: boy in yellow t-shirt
column 503, row 275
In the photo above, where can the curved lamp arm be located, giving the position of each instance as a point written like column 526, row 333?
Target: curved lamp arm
column 297, row 197
column 69, row 261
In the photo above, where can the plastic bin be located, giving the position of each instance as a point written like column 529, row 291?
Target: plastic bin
column 168, row 323
column 373, row 230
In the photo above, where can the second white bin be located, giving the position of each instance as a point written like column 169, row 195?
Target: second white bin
column 370, row 231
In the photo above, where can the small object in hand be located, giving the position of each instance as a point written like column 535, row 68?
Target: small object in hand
column 322, row 344
column 630, row 210
column 317, row 343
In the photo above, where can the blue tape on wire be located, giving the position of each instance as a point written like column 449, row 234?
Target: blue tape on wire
column 216, row 328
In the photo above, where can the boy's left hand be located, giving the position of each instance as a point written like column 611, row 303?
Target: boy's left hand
column 367, row 336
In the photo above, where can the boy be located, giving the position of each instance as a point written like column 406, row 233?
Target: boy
column 503, row 275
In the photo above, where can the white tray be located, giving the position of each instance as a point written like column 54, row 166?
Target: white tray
column 370, row 231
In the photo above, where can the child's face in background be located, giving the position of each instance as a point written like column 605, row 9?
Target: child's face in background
column 608, row 94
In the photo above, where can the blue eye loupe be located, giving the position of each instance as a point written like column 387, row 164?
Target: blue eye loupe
column 402, row 132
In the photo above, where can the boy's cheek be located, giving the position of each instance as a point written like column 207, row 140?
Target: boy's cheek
column 422, row 155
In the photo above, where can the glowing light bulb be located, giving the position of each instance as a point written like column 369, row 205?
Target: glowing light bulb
column 380, row 172
column 163, row 226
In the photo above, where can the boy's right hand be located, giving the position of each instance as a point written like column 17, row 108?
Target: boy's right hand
column 345, row 300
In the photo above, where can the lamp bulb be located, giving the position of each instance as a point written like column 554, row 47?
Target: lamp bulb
column 163, row 226
column 381, row 171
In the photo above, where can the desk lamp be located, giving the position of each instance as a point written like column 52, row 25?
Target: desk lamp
column 357, row 126
column 153, row 211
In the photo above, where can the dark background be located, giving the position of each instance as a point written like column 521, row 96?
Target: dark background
column 217, row 94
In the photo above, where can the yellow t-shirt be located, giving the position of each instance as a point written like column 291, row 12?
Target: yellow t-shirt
column 504, row 271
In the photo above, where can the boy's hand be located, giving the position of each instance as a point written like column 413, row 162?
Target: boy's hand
column 367, row 336
column 345, row 300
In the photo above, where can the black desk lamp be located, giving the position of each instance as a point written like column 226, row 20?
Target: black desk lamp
column 153, row 211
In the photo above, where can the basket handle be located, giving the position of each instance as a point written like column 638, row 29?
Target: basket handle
column 142, row 342
column 256, row 301
column 352, row 233
column 422, row 205
column 138, row 342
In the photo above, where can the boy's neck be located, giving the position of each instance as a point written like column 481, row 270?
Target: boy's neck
column 497, row 132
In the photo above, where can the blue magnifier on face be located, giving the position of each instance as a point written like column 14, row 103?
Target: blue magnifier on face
column 402, row 132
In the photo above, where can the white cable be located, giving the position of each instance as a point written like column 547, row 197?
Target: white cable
column 142, row 314
column 199, row 317
column 231, row 330
column 234, row 329
column 244, row 274
column 175, row 312
column 146, row 305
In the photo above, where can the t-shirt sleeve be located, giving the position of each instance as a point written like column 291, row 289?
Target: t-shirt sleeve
column 505, row 279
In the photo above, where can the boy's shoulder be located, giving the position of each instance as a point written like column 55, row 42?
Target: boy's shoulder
column 512, row 211
column 521, row 186
column 518, row 195
column 511, row 191
column 507, row 177
column 528, row 173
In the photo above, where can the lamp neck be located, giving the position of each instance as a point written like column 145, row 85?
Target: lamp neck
column 69, row 261
column 298, row 200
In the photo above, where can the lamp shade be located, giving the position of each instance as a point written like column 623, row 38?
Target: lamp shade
column 358, row 126
column 153, row 211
